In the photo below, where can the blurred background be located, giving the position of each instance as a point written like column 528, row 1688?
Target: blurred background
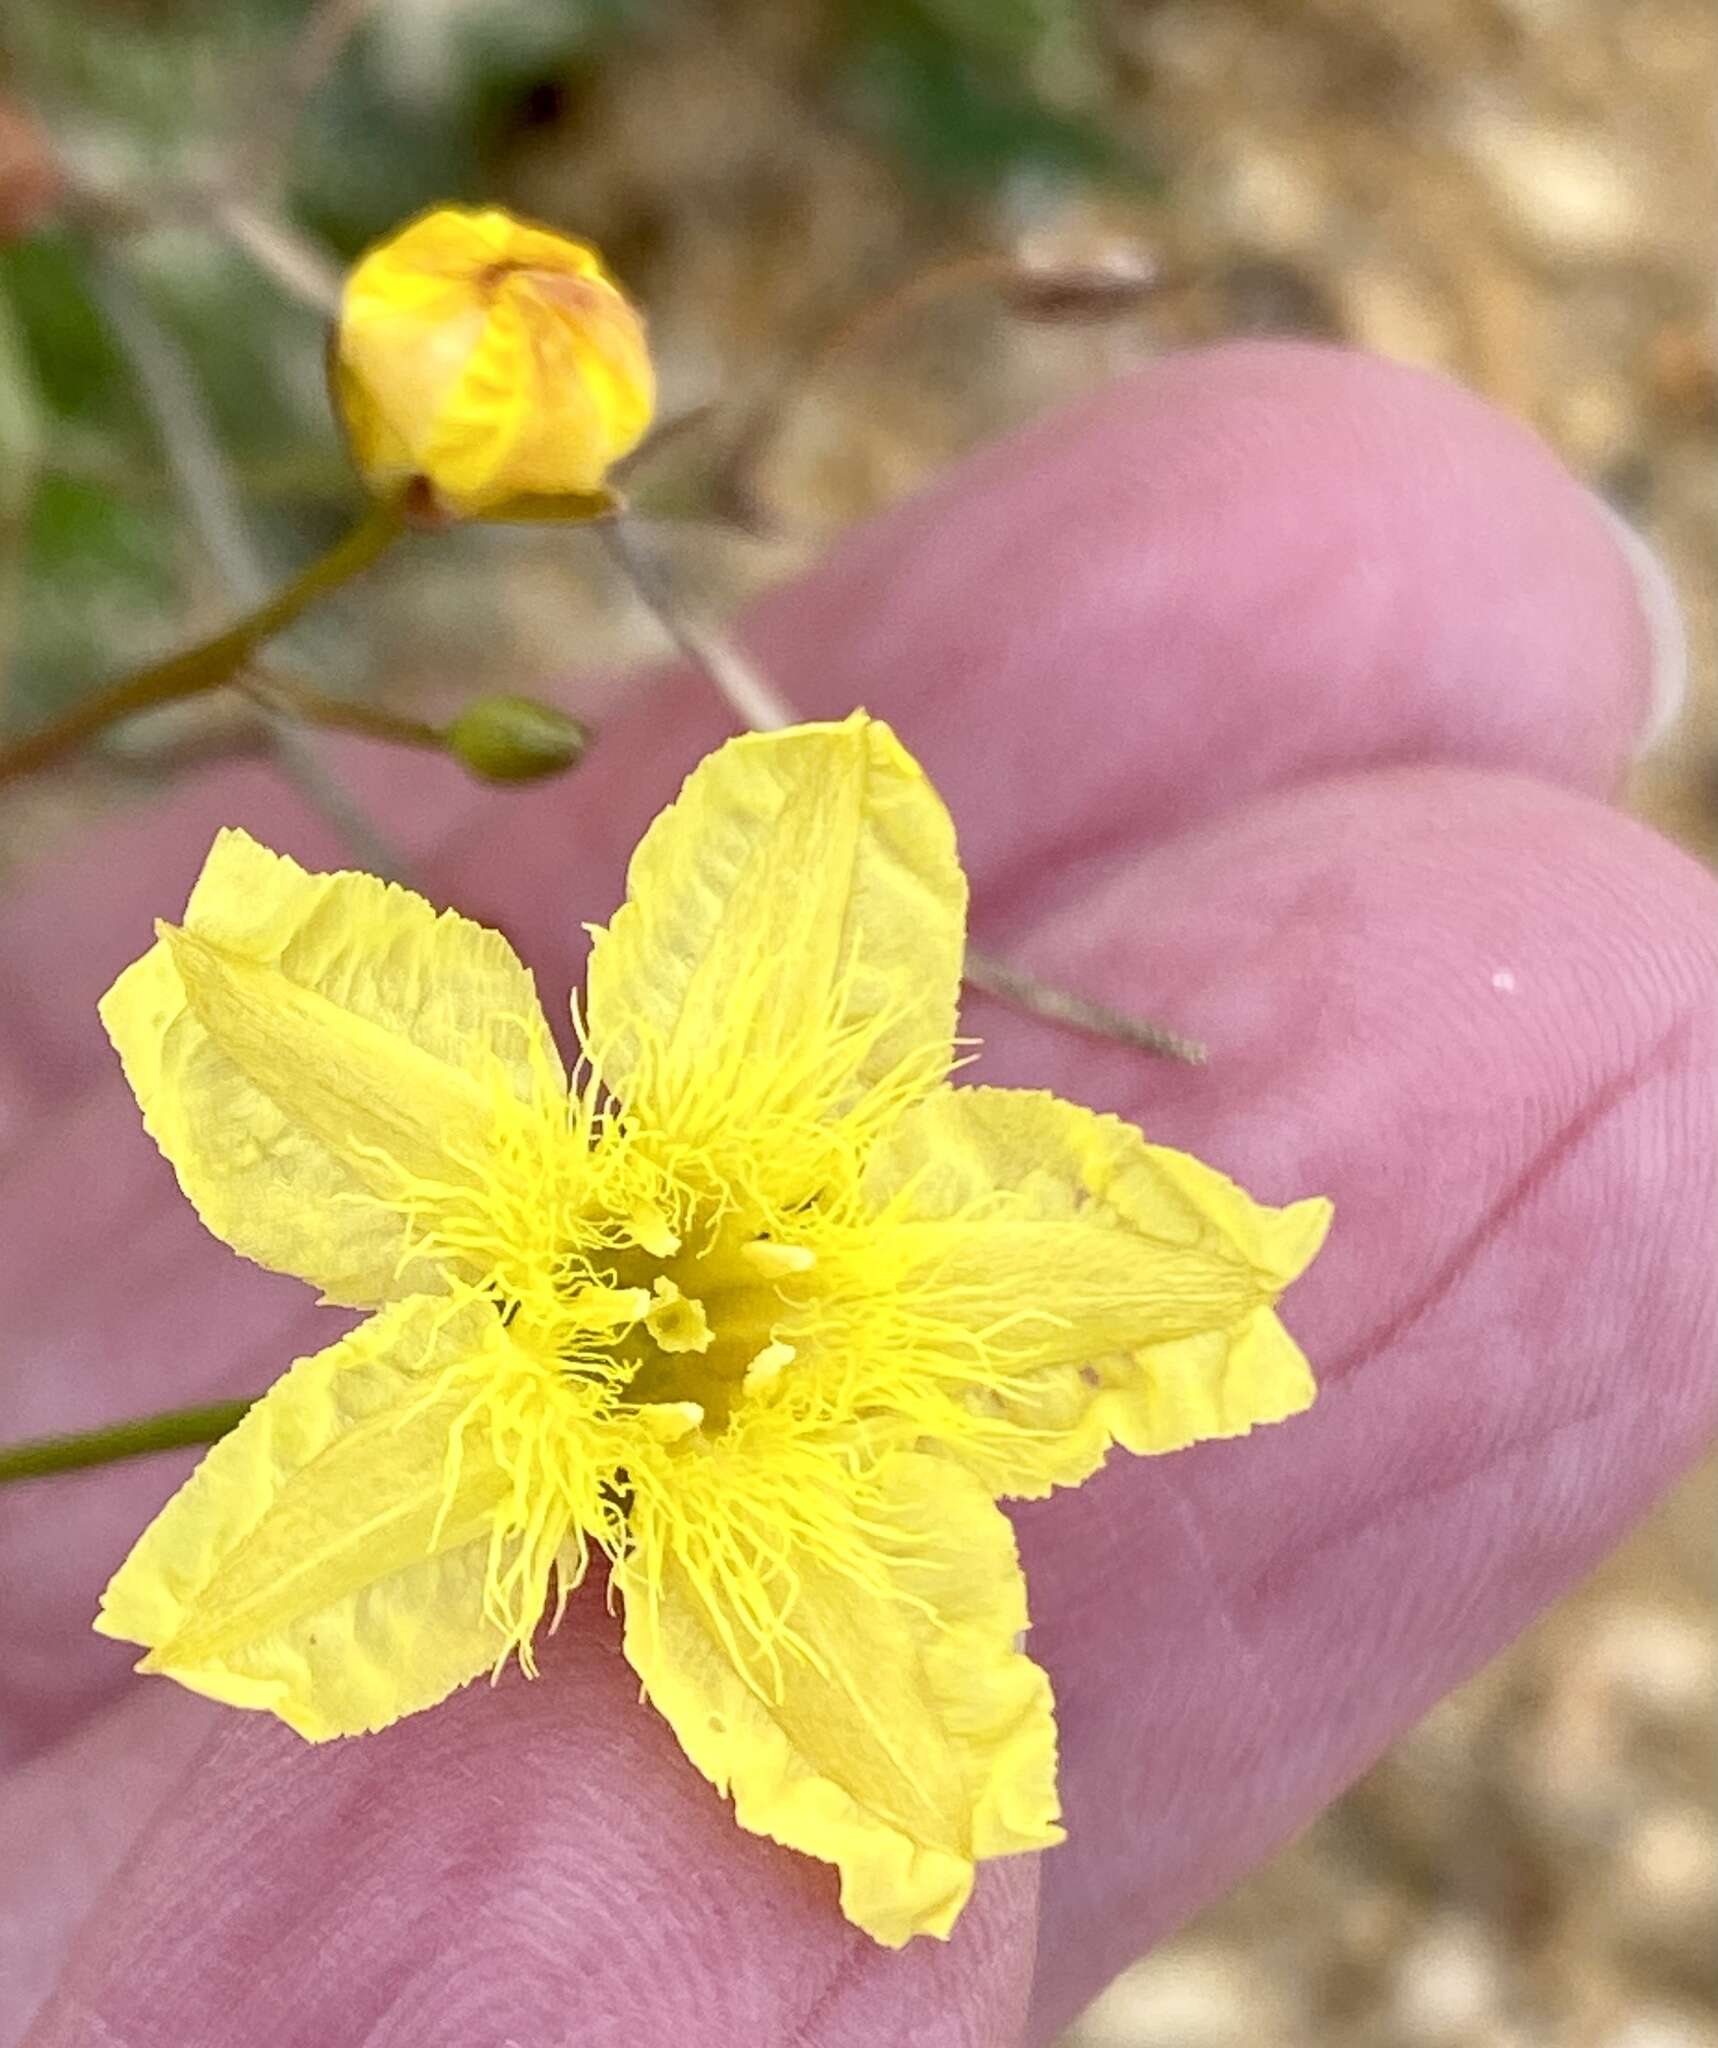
column 837, row 199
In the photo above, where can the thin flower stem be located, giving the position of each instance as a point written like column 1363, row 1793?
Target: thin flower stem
column 292, row 81
column 1058, row 1006
column 209, row 497
column 210, row 663
column 171, row 394
column 758, row 705
column 142, row 1438
column 295, row 262
column 277, row 690
column 278, row 249
column 748, row 693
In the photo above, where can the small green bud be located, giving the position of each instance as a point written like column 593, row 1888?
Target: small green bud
column 514, row 739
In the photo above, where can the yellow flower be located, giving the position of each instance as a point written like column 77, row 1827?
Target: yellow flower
column 492, row 360
column 758, row 1306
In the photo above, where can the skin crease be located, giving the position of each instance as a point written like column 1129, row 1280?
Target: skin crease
column 1275, row 692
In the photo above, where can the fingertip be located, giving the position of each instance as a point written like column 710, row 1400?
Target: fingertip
column 527, row 1856
column 1240, row 567
column 1666, row 628
column 1477, row 1011
column 1411, row 984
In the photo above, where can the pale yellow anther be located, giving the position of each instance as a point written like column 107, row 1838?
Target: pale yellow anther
column 767, row 1366
column 651, row 1231
column 676, row 1320
column 669, row 1421
column 777, row 1261
column 608, row 1308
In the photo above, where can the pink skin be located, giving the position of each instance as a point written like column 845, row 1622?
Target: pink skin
column 1276, row 693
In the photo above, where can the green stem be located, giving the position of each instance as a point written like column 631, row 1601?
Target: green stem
column 212, row 662
column 280, row 691
column 171, row 1431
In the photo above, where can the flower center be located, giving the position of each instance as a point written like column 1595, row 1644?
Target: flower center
column 693, row 1319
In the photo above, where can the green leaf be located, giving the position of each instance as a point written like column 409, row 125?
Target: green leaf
column 1008, row 31
column 412, row 119
column 97, row 591
column 23, row 426
column 76, row 367
column 947, row 85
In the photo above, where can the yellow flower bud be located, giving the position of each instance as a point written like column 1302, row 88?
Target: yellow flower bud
column 489, row 360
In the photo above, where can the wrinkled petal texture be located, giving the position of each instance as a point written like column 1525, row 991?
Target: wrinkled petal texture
column 316, row 1563
column 791, row 940
column 1231, row 1636
column 1094, row 1289
column 306, row 1039
column 917, row 1739
column 979, row 1293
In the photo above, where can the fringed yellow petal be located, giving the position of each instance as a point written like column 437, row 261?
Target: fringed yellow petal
column 791, row 940
column 908, row 1739
column 1221, row 1384
column 763, row 1311
column 1040, row 1282
column 325, row 1560
column 305, row 1043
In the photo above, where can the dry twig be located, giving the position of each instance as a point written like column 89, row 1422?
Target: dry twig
column 194, row 458
column 286, row 90
column 1028, row 288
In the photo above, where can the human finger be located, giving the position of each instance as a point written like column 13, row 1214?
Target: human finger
column 1241, row 568
column 1233, row 1632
